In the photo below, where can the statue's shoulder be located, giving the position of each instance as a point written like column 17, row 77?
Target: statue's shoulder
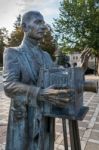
column 12, row 50
column 11, row 53
column 46, row 53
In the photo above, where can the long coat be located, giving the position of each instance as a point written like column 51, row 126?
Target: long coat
column 20, row 76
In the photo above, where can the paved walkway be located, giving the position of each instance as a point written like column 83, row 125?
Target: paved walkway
column 88, row 128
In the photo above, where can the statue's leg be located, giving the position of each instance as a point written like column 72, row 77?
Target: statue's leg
column 17, row 138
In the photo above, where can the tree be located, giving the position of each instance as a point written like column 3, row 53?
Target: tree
column 78, row 23
column 17, row 34
column 3, row 42
column 48, row 43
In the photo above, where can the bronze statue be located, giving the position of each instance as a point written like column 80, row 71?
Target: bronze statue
column 20, row 77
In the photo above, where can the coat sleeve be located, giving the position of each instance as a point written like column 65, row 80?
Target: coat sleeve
column 13, row 87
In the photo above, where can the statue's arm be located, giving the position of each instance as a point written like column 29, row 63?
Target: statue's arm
column 13, row 87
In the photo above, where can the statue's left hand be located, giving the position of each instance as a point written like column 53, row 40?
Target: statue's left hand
column 58, row 97
column 85, row 55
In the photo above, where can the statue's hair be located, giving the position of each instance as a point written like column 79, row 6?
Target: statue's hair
column 29, row 15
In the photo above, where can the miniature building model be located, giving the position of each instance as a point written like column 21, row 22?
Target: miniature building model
column 67, row 78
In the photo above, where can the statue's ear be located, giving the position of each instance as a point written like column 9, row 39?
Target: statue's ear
column 24, row 27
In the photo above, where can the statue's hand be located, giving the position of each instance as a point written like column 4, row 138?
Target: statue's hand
column 19, row 112
column 58, row 97
column 85, row 55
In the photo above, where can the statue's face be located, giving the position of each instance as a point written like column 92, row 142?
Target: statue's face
column 36, row 27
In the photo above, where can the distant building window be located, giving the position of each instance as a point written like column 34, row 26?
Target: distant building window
column 76, row 57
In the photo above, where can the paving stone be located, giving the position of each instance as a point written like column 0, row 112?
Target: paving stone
column 90, row 113
column 83, row 144
column 87, row 117
column 2, row 147
column 56, row 136
column 96, row 100
column 59, row 128
column 83, row 124
column 59, row 139
column 81, row 132
column 94, row 135
column 57, row 149
column 3, row 130
column 59, row 121
column 97, row 119
column 96, row 126
column 93, row 105
column 92, row 146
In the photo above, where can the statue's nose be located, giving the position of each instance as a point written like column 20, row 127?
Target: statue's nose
column 42, row 26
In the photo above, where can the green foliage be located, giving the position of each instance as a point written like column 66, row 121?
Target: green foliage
column 17, row 34
column 48, row 43
column 15, row 37
column 78, row 25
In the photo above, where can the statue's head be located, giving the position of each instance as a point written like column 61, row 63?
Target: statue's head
column 33, row 25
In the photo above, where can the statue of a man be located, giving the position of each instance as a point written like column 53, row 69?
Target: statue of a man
column 20, row 76
column 21, row 71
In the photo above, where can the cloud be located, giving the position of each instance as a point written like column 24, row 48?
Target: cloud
column 49, row 9
column 38, row 4
column 10, row 9
column 8, row 13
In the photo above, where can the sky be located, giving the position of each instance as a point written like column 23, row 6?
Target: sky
column 10, row 9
